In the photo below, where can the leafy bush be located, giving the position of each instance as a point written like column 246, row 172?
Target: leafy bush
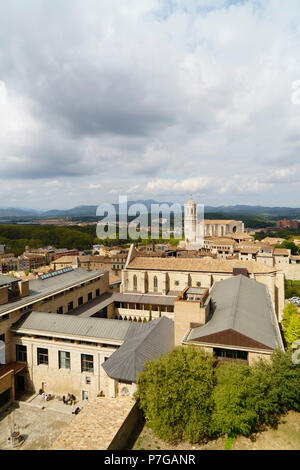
column 175, row 394
column 285, row 381
column 291, row 323
column 183, row 396
column 232, row 415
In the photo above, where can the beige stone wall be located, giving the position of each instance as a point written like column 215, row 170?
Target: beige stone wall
column 3, row 295
column 172, row 280
column 125, row 432
column 186, row 312
column 63, row 381
column 254, row 357
column 266, row 260
column 291, row 272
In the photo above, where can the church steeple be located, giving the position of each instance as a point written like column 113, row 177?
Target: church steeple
column 190, row 220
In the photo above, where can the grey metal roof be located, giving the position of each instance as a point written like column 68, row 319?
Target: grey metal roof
column 73, row 325
column 243, row 305
column 144, row 341
column 38, row 288
column 6, row 279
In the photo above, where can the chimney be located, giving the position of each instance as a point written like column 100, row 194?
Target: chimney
column 238, row 271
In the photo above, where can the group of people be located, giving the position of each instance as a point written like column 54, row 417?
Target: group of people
column 70, row 400
column 46, row 396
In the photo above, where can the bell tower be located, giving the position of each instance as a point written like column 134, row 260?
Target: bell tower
column 190, row 221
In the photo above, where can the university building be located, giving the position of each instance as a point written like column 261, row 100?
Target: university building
column 57, row 293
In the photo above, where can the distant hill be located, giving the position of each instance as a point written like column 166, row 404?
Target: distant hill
column 90, row 211
column 290, row 212
column 13, row 212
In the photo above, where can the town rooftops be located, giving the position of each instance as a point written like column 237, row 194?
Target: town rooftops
column 196, row 265
column 273, row 241
column 218, row 221
column 251, row 250
column 242, row 315
column 220, row 240
column 281, row 252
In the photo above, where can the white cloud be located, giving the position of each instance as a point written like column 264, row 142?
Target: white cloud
column 157, row 98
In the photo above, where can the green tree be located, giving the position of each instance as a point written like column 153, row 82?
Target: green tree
column 290, row 246
column 285, row 380
column 291, row 323
column 175, row 394
column 232, row 416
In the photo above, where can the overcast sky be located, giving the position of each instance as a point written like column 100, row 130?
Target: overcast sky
column 154, row 99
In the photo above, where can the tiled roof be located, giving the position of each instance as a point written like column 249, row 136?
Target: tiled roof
column 281, row 251
column 197, row 265
column 218, row 221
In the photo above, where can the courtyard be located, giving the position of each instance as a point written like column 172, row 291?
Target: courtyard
column 39, row 422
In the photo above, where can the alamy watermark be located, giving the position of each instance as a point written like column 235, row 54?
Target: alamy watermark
column 159, row 221
column 295, row 98
column 296, row 352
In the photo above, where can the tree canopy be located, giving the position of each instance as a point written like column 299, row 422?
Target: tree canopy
column 185, row 395
column 291, row 323
column 175, row 393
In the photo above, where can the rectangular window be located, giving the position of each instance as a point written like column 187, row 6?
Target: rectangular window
column 70, row 306
column 21, row 353
column 42, row 356
column 87, row 363
column 4, row 317
column 60, row 310
column 80, row 301
column 97, row 292
column 90, row 296
column 64, row 360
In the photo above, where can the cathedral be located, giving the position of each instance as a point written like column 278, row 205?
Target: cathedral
column 196, row 228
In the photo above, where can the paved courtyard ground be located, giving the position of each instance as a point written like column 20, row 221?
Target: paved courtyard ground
column 39, row 422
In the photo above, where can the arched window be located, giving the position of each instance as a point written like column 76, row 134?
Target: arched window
column 155, row 284
column 134, row 282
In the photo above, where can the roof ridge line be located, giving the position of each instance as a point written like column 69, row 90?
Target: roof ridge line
column 236, row 299
column 143, row 335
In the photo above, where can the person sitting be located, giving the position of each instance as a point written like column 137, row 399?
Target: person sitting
column 76, row 411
